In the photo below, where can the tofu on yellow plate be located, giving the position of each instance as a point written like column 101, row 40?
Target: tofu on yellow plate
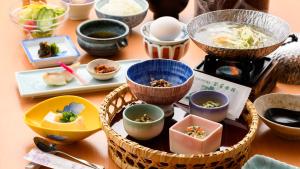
column 67, row 119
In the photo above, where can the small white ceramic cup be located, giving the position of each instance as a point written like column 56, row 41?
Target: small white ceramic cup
column 79, row 9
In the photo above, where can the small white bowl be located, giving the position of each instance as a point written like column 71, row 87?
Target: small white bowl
column 79, row 11
column 131, row 20
column 102, row 76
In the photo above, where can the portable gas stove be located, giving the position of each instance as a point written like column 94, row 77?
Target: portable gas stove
column 254, row 73
column 252, row 67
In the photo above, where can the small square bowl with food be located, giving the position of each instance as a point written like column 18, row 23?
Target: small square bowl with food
column 199, row 135
column 46, row 52
column 103, row 69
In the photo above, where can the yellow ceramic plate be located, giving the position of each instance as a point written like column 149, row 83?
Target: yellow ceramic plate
column 90, row 115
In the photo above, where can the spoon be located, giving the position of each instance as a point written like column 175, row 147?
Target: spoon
column 48, row 147
column 284, row 116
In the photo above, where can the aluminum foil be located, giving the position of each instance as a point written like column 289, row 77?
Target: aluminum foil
column 288, row 66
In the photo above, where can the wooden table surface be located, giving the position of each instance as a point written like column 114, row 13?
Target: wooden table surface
column 16, row 137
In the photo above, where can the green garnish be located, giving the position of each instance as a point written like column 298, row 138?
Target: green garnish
column 211, row 104
column 68, row 117
column 54, row 49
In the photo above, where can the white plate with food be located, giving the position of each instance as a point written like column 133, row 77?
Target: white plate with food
column 55, row 81
column 45, row 52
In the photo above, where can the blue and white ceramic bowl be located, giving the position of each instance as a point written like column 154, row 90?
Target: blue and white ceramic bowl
column 140, row 75
column 131, row 20
column 216, row 114
column 143, row 130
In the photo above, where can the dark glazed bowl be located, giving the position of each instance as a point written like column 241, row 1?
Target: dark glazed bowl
column 167, row 7
column 102, row 46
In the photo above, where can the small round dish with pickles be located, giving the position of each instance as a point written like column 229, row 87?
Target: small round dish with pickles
column 103, row 69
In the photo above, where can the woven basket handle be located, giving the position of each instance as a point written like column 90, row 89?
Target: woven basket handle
column 28, row 2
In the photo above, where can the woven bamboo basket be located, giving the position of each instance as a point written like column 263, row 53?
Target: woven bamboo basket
column 131, row 155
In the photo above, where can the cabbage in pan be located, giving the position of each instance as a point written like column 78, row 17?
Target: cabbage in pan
column 241, row 37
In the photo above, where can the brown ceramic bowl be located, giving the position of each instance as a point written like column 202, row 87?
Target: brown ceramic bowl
column 279, row 100
column 167, row 7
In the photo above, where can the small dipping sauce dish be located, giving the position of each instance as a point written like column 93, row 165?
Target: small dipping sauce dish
column 102, row 37
column 209, row 104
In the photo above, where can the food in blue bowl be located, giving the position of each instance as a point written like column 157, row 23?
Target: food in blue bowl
column 209, row 104
column 160, row 81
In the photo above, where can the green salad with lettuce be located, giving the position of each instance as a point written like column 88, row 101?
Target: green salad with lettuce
column 40, row 19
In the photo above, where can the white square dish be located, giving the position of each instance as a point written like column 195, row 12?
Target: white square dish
column 30, row 83
column 68, row 52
